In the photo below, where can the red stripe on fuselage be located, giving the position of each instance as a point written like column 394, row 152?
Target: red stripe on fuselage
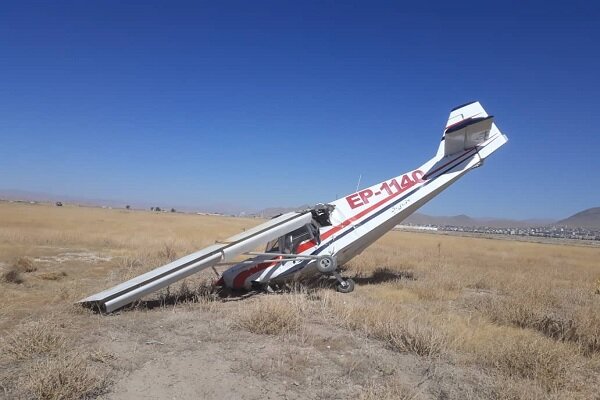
column 240, row 279
column 305, row 246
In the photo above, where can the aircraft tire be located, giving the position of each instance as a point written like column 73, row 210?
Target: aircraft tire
column 345, row 289
column 326, row 264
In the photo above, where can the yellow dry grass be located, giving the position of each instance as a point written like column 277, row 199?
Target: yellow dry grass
column 26, row 225
column 31, row 339
column 528, row 312
column 271, row 315
column 527, row 315
column 59, row 241
column 68, row 376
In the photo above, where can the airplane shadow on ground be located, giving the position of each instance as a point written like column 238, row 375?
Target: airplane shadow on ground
column 383, row 275
column 186, row 294
column 379, row 276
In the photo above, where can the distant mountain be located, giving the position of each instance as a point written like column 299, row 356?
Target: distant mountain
column 589, row 218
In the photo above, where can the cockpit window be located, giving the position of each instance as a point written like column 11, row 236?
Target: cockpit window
column 273, row 246
column 289, row 243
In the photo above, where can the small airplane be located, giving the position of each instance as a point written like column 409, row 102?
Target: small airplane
column 319, row 239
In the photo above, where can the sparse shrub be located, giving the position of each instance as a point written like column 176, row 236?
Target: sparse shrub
column 270, row 316
column 416, row 337
column 167, row 253
column 127, row 268
column 534, row 359
column 508, row 310
column 70, row 294
column 66, row 377
column 518, row 389
column 32, row 338
column 25, row 264
column 11, row 275
column 581, row 327
column 404, row 331
column 587, row 329
column 53, row 276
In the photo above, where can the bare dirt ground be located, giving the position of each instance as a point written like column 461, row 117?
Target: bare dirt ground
column 433, row 317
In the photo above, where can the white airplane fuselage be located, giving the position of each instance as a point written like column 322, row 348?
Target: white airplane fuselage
column 361, row 218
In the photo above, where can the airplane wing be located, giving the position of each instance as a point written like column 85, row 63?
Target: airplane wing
column 223, row 251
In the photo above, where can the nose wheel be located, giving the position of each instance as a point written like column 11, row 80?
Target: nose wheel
column 345, row 286
column 327, row 265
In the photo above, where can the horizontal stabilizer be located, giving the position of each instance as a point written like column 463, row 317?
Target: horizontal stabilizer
column 467, row 134
column 468, row 126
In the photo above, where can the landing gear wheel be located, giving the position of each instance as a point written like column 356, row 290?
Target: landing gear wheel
column 346, row 287
column 326, row 264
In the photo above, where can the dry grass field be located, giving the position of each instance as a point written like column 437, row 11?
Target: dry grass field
column 432, row 317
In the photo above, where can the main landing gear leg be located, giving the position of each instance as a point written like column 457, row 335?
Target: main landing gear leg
column 328, row 265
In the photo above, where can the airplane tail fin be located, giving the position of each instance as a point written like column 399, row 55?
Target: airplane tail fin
column 468, row 126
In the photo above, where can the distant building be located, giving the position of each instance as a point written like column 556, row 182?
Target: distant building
column 416, row 227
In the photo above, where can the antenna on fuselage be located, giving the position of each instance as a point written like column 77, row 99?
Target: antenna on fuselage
column 358, row 183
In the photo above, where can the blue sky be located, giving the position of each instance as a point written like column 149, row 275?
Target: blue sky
column 258, row 104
